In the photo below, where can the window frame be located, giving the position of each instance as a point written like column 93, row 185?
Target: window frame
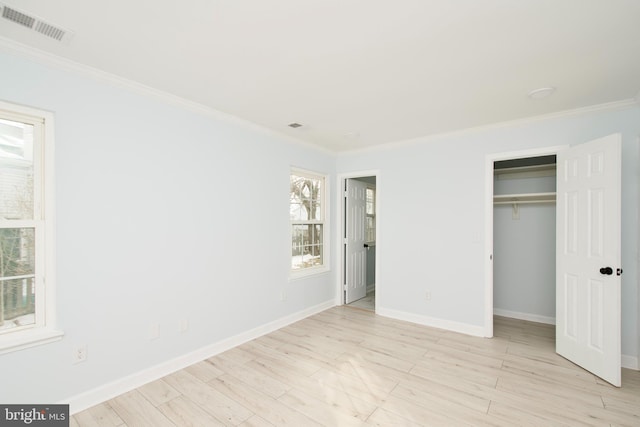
column 324, row 221
column 44, row 329
column 373, row 215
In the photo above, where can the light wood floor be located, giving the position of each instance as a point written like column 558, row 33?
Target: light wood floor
column 366, row 303
column 349, row 367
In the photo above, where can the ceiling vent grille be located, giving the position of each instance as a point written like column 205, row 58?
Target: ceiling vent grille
column 50, row 30
column 18, row 17
column 36, row 24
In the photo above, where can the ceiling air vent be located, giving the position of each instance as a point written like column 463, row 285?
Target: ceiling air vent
column 34, row 23
column 17, row 17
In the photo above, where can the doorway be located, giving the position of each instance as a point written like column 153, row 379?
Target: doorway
column 515, row 159
column 359, row 213
column 524, row 239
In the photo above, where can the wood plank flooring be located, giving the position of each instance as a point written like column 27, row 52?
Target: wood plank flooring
column 348, row 367
column 366, row 303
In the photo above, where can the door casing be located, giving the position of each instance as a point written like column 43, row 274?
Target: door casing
column 488, row 226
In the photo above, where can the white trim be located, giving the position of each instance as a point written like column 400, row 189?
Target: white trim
column 525, row 316
column 630, row 362
column 19, row 340
column 115, row 388
column 607, row 106
column 303, row 273
column 12, row 47
column 488, row 246
column 433, row 322
column 488, row 225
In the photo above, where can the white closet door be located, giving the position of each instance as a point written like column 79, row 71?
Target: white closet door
column 588, row 257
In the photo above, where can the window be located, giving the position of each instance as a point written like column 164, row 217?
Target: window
column 307, row 213
column 370, row 226
column 26, row 310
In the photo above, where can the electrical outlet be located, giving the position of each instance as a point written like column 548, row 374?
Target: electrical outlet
column 283, row 296
column 79, row 354
column 427, row 295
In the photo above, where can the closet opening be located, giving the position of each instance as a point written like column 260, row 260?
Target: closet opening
column 524, row 238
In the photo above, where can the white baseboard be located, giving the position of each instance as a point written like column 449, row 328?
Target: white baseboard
column 371, row 287
column 449, row 325
column 115, row 388
column 525, row 316
column 630, row 362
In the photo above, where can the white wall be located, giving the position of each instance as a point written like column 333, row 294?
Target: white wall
column 162, row 215
column 524, row 262
column 432, row 215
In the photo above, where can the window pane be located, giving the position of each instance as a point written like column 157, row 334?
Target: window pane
column 371, row 201
column 296, row 212
column 370, row 229
column 17, row 252
column 306, row 192
column 306, row 246
column 317, row 183
column 16, row 170
column 17, row 307
column 299, row 235
column 314, row 211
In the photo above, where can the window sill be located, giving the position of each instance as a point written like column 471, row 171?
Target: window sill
column 307, row 272
column 28, row 338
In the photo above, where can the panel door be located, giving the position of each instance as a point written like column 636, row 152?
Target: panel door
column 588, row 257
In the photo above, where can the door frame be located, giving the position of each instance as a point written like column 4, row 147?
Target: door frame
column 340, row 232
column 490, row 159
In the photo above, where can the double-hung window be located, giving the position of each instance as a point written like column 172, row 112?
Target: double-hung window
column 26, row 300
column 307, row 210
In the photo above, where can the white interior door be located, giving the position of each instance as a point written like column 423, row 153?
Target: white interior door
column 355, row 252
column 588, row 257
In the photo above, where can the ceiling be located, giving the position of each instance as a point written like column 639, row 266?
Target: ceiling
column 356, row 73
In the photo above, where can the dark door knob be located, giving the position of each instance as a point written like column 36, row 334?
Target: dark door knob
column 606, row 270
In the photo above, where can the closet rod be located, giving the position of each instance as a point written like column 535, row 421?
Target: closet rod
column 522, row 202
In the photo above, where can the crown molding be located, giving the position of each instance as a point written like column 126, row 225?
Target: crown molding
column 12, row 47
column 608, row 106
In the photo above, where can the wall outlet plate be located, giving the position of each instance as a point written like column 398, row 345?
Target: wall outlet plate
column 79, row 354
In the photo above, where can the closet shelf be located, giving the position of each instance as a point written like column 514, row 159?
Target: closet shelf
column 510, row 199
